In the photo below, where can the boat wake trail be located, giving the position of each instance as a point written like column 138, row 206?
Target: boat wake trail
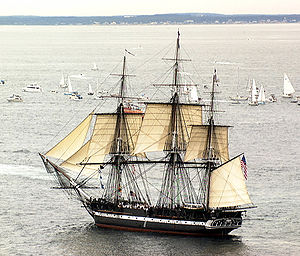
column 32, row 172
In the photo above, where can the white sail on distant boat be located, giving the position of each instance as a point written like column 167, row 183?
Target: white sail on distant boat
column 288, row 88
column 95, row 67
column 70, row 89
column 63, row 83
column 261, row 96
column 90, row 92
column 253, row 95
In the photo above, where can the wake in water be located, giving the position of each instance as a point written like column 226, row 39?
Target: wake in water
column 32, row 172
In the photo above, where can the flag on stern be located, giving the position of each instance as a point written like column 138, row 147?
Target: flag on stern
column 244, row 167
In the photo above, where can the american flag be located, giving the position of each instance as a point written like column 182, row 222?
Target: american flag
column 244, row 167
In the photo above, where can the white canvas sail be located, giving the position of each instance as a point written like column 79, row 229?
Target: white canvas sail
column 197, row 147
column 227, row 186
column 254, row 91
column 95, row 67
column 90, row 90
column 261, row 97
column 72, row 142
column 253, row 95
column 62, row 81
column 193, row 94
column 100, row 143
column 288, row 88
column 155, row 128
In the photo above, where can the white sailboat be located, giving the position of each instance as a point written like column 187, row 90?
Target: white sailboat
column 90, row 92
column 63, row 83
column 95, row 67
column 253, row 95
column 288, row 88
column 32, row 88
column 261, row 96
column 70, row 89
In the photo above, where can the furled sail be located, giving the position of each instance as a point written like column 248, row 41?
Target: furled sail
column 155, row 128
column 227, row 186
column 197, row 147
column 72, row 142
column 101, row 141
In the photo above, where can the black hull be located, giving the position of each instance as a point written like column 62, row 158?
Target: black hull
column 157, row 225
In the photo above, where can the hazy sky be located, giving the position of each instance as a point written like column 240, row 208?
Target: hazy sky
column 123, row 7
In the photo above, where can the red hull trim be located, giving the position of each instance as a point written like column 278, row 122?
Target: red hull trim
column 157, row 231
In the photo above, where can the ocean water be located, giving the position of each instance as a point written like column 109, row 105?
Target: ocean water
column 38, row 220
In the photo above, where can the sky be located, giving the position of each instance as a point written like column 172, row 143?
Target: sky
column 138, row 7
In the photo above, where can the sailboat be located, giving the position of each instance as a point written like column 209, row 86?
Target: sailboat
column 288, row 89
column 202, row 191
column 95, row 67
column 90, row 92
column 253, row 94
column 261, row 96
column 63, row 83
column 70, row 88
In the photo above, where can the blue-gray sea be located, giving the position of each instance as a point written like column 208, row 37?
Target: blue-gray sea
column 38, row 220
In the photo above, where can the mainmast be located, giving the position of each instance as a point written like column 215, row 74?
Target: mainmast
column 176, row 188
column 209, row 148
column 122, row 87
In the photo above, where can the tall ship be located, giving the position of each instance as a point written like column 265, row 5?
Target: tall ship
column 163, row 169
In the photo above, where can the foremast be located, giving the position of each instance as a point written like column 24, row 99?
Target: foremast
column 120, row 151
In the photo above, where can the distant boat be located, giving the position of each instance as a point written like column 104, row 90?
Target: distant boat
column 75, row 96
column 295, row 99
column 95, row 67
column 288, row 88
column 63, row 83
column 70, row 89
column 253, row 96
column 15, row 98
column 261, row 96
column 32, row 88
column 272, row 98
column 90, row 92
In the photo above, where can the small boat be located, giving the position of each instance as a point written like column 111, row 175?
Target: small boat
column 288, row 89
column 253, row 96
column 15, row 98
column 2, row 82
column 272, row 98
column 295, row 99
column 90, row 92
column 32, row 88
column 239, row 98
column 261, row 96
column 70, row 89
column 76, row 96
column 95, row 67
column 63, row 83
